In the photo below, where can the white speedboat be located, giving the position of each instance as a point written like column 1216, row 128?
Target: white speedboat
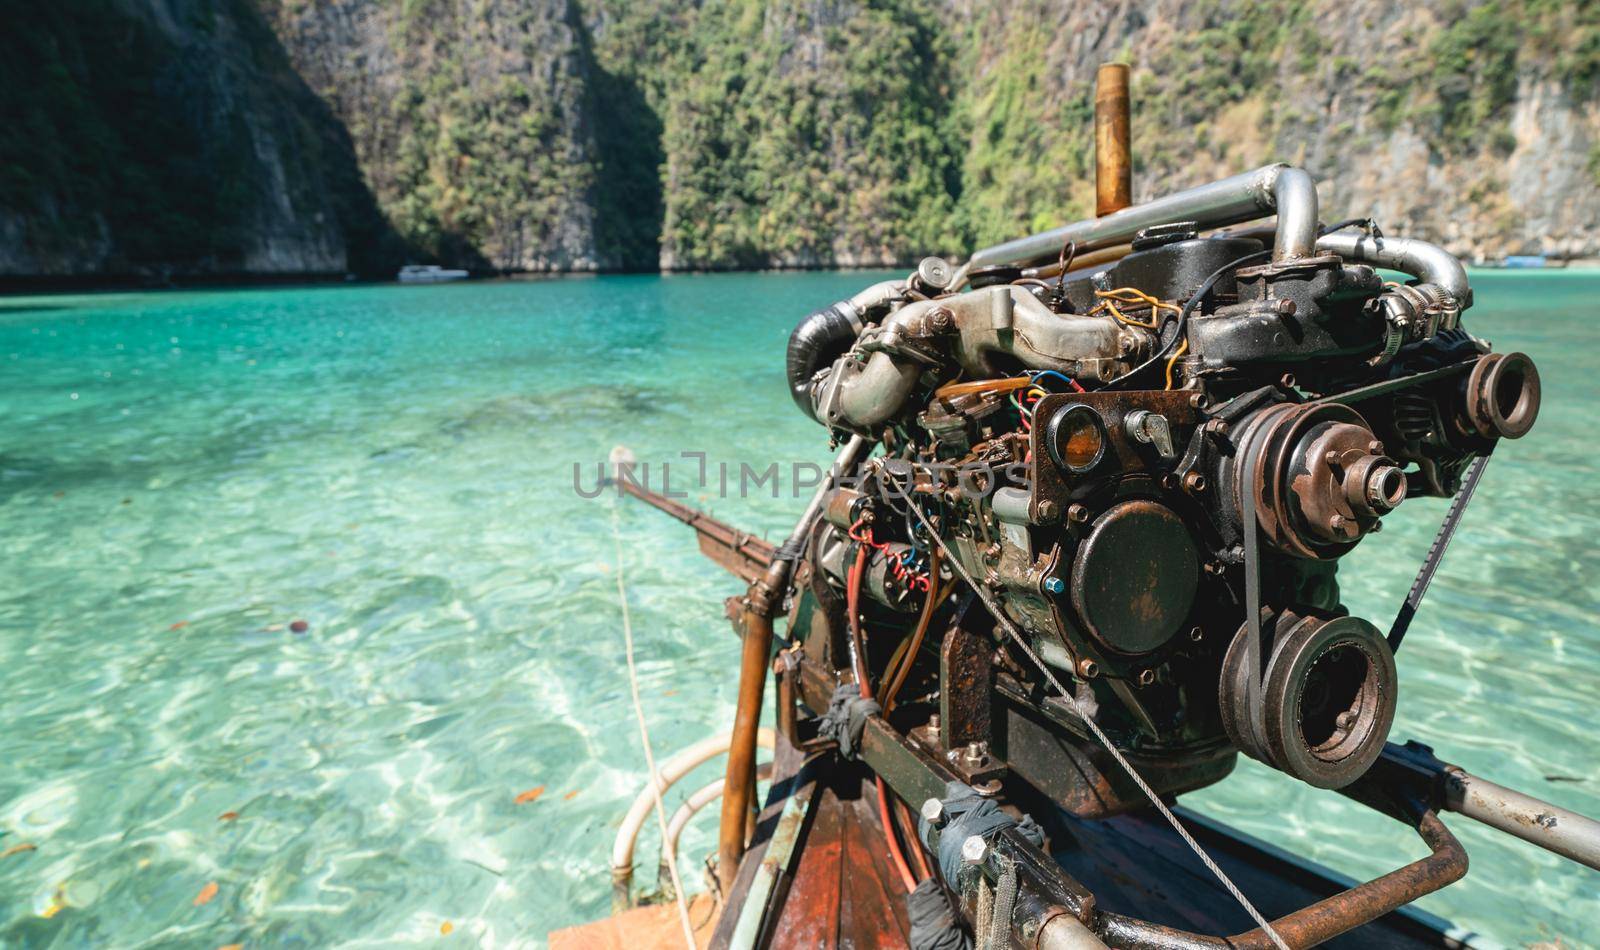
column 428, row 274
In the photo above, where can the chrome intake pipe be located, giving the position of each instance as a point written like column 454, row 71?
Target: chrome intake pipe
column 1279, row 189
column 1429, row 263
column 975, row 328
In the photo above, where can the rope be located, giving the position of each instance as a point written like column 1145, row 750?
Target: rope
column 1005, row 899
column 1150, row 793
column 644, row 735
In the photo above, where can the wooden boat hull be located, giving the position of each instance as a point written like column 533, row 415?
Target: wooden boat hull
column 837, row 887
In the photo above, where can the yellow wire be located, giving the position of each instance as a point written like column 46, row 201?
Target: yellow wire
column 1182, row 347
column 1126, row 295
column 1134, row 295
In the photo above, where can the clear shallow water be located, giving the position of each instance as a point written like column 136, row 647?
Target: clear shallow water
column 184, row 474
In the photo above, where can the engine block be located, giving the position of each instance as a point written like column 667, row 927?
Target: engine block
column 1152, row 458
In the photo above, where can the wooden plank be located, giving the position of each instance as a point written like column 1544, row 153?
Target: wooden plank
column 872, row 911
column 810, row 913
column 655, row 925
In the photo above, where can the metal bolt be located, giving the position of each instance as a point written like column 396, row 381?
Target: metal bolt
column 941, row 319
column 1047, row 511
column 1054, row 585
column 1198, row 400
column 1375, row 447
column 1197, row 634
column 974, row 849
column 1286, row 308
column 933, row 812
column 1077, row 514
column 935, row 272
column 1195, row 482
column 1088, row 669
column 1146, row 677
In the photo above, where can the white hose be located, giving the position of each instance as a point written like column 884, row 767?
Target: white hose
column 691, row 806
column 673, row 769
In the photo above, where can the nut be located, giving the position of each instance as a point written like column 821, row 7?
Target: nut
column 974, row 849
column 933, row 812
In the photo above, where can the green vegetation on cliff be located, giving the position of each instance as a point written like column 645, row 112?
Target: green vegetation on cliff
column 183, row 142
column 631, row 134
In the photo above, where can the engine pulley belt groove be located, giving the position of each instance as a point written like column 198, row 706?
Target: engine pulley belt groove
column 1441, row 541
column 1094, row 728
column 1430, row 563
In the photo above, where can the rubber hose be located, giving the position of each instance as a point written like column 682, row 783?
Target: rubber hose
column 816, row 342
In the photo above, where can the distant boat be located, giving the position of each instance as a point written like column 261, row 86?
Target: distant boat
column 1524, row 260
column 428, row 274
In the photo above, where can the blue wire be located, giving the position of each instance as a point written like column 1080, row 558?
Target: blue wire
column 1049, row 372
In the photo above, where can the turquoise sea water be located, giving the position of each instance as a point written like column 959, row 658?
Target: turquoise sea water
column 183, row 475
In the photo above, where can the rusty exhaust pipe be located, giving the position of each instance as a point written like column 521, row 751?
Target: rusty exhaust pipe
column 738, row 790
column 763, row 599
column 1113, row 154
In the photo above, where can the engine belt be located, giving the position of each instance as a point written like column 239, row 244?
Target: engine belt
column 1253, row 658
column 1441, row 541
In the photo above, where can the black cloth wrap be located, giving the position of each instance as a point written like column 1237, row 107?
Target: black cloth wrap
column 846, row 718
column 966, row 814
column 934, row 924
column 816, row 342
column 790, row 550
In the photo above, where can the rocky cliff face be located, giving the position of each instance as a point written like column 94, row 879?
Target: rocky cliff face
column 470, row 121
column 1476, row 125
column 163, row 137
column 548, row 135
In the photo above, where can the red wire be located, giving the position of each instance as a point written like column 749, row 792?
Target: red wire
column 912, row 579
column 852, row 600
column 910, row 824
column 906, row 877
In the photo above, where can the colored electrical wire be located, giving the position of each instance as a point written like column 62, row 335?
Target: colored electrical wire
column 909, row 823
column 1183, row 347
column 858, row 661
column 1129, row 295
column 1183, row 317
column 900, row 563
column 929, row 605
column 895, row 854
column 857, row 641
column 1039, row 374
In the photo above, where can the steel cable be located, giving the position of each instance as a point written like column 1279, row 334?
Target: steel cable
column 1100, row 736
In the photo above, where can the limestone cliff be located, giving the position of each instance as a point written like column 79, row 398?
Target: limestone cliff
column 168, row 137
column 470, row 121
column 248, row 136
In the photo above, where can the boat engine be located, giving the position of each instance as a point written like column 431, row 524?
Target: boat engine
column 1146, row 443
